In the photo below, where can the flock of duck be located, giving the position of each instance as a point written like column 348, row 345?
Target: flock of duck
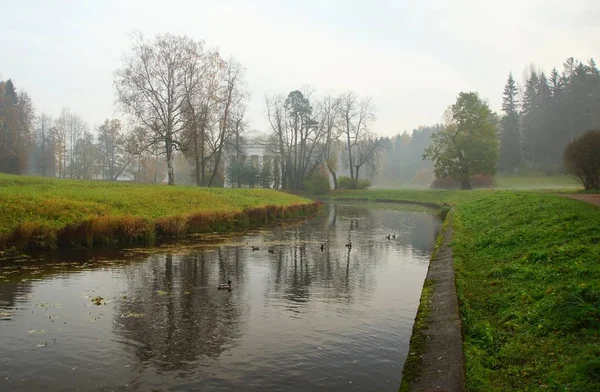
column 227, row 286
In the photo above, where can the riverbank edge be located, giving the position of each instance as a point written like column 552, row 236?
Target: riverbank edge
column 124, row 230
column 435, row 359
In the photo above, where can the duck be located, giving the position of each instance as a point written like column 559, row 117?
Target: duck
column 255, row 248
column 225, row 286
column 271, row 251
column 394, row 236
column 388, row 237
column 322, row 247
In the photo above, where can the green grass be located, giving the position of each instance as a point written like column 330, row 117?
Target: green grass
column 42, row 207
column 528, row 281
column 537, row 181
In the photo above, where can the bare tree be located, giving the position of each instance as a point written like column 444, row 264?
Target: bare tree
column 201, row 101
column 230, row 94
column 76, row 128
column 328, row 109
column 279, row 142
column 61, row 142
column 151, row 87
column 111, row 150
column 356, row 118
column 365, row 151
column 45, row 158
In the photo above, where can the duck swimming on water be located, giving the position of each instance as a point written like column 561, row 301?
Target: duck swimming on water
column 224, row 286
column 255, row 248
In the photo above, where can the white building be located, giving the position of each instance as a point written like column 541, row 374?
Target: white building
column 253, row 153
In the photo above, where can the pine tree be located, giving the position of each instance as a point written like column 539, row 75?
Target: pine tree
column 544, row 140
column 529, row 111
column 558, row 127
column 510, row 144
column 594, row 83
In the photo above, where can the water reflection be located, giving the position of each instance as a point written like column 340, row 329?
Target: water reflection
column 305, row 312
column 175, row 314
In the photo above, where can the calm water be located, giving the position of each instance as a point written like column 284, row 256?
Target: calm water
column 297, row 319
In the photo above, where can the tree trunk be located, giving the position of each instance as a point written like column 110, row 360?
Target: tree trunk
column 169, row 153
column 350, row 163
column 197, row 158
column 465, row 184
column 334, row 176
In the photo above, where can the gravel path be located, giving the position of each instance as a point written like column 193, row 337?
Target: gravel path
column 589, row 197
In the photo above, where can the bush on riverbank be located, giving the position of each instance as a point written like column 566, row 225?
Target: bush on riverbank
column 349, row 183
column 477, row 181
column 582, row 159
column 41, row 213
column 528, row 282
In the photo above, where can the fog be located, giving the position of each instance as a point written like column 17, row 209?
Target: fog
column 332, row 89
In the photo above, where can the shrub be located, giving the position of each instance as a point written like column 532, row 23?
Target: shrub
column 445, row 183
column 346, row 183
column 477, row 181
column 363, row 184
column 317, row 185
column 423, row 177
column 349, row 183
column 482, row 181
column 551, row 170
column 582, row 159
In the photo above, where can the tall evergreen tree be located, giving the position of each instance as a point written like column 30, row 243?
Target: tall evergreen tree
column 16, row 121
column 558, row 127
column 530, row 123
column 544, row 121
column 510, row 143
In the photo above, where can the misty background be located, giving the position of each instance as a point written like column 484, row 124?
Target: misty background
column 410, row 60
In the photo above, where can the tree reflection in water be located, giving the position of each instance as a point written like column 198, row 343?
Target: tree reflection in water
column 176, row 316
column 187, row 324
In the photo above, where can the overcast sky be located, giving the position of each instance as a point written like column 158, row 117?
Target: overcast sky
column 411, row 57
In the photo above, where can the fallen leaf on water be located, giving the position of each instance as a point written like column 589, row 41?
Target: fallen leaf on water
column 134, row 315
column 160, row 292
column 187, row 293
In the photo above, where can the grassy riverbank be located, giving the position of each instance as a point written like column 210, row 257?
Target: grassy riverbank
column 46, row 213
column 528, row 281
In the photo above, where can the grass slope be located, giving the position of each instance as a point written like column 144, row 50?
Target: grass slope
column 42, row 206
column 528, row 281
column 537, row 181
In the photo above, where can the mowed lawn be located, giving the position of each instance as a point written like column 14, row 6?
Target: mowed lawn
column 58, row 202
column 528, row 280
column 533, row 181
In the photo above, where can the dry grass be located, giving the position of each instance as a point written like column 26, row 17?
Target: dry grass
column 40, row 213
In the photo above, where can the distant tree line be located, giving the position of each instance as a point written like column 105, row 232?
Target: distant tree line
column 401, row 158
column 549, row 111
column 184, row 110
column 16, row 128
column 538, row 121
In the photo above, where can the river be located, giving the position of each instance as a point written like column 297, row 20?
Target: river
column 297, row 317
